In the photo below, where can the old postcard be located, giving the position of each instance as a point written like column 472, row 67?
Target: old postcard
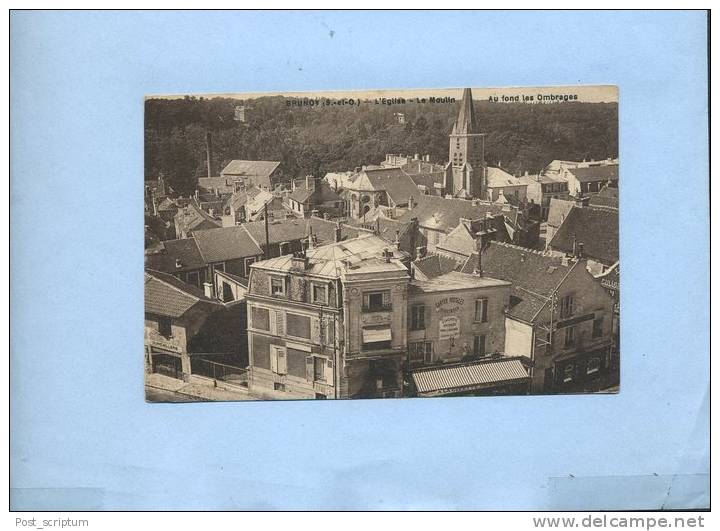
column 382, row 244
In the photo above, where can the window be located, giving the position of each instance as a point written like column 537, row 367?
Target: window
column 261, row 318
column 219, row 267
column 570, row 337
column 277, row 286
column 568, row 373
column 479, row 345
column 298, row 325
column 481, row 314
column 227, row 294
column 328, row 332
column 376, row 301
column 597, row 330
column 193, row 278
column 320, row 396
column 319, row 293
column 278, row 360
column 165, row 326
column 319, row 369
column 417, row 317
column 593, row 365
column 248, row 262
column 279, row 386
column 420, row 352
column 566, row 306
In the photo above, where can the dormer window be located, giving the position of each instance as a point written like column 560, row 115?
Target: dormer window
column 277, row 286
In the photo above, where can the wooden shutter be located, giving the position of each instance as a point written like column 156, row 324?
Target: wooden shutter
column 281, row 361
column 279, row 323
column 386, row 299
column 484, row 310
column 310, row 368
column 330, row 372
column 274, row 359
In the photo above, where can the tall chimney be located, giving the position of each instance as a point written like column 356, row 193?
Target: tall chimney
column 411, row 202
column 208, row 148
column 208, row 289
column 338, row 232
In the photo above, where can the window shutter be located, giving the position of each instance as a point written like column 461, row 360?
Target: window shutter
column 386, row 298
column 274, row 359
column 484, row 310
column 330, row 372
column 279, row 323
column 309, row 368
column 281, row 361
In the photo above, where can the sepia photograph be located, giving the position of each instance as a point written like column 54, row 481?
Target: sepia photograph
column 382, row 244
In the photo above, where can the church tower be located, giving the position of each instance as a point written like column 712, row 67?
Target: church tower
column 466, row 173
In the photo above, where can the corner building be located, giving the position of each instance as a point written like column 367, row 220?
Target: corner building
column 329, row 322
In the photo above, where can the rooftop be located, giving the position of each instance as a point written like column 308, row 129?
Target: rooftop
column 176, row 255
column 167, row 296
column 363, row 254
column 226, row 243
column 596, row 228
column 453, row 281
column 602, row 172
column 497, row 178
column 298, row 229
column 250, row 168
column 434, row 265
column 534, row 275
column 444, row 214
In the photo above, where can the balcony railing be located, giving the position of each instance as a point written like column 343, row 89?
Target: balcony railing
column 377, row 308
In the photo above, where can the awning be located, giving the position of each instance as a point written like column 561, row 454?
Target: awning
column 376, row 335
column 445, row 380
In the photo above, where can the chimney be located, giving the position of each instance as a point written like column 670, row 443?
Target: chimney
column 411, row 202
column 208, row 148
column 417, row 156
column 377, row 226
column 208, row 290
column 397, row 240
column 154, row 204
column 299, row 262
column 581, row 250
column 326, row 215
column 338, row 231
column 178, row 263
column 420, row 252
column 527, row 173
column 309, row 182
column 574, row 249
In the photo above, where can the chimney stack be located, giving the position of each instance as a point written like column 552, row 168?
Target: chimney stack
column 411, row 202
column 207, row 287
column 581, row 250
column 208, row 148
column 338, row 231
column 309, row 182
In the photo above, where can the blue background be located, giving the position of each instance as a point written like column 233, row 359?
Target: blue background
column 82, row 435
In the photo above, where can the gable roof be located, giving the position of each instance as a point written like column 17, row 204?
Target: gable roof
column 439, row 213
column 321, row 189
column 607, row 197
column 226, row 243
column 434, row 265
column 596, row 228
column 398, row 185
column 259, row 171
column 558, row 211
column 533, row 275
column 184, row 252
column 602, row 172
column 497, row 178
column 168, row 296
column 192, row 217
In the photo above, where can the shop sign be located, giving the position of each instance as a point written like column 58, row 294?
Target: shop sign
column 449, row 327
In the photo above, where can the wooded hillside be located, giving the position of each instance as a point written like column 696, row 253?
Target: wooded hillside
column 519, row 137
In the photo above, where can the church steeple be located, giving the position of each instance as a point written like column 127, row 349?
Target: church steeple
column 465, row 122
column 466, row 172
